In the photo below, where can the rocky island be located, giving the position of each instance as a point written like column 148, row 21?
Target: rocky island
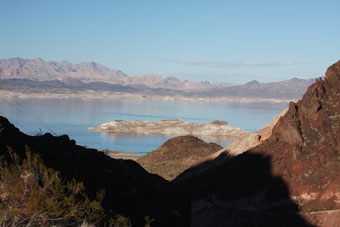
column 171, row 127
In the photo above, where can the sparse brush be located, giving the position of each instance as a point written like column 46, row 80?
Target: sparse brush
column 32, row 194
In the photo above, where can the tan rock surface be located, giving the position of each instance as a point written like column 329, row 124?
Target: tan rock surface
column 171, row 127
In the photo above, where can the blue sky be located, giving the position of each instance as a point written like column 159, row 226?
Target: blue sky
column 218, row 41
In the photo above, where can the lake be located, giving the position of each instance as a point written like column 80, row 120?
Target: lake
column 74, row 116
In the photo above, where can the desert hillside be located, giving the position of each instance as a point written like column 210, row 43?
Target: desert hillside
column 176, row 155
column 291, row 178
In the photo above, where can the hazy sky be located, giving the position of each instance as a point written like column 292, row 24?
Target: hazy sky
column 219, row 41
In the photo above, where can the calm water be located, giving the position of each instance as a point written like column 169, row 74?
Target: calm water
column 74, row 116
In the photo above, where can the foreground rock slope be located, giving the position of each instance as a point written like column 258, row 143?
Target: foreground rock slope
column 171, row 127
column 291, row 178
column 248, row 140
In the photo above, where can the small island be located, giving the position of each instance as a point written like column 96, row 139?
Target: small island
column 170, row 127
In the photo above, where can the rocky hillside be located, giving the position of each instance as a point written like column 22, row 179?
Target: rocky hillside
column 129, row 190
column 176, row 155
column 307, row 138
column 292, row 178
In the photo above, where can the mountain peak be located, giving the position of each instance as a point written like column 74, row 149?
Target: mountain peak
column 253, row 82
column 333, row 71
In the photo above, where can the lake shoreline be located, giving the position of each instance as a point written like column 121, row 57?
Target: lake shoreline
column 90, row 94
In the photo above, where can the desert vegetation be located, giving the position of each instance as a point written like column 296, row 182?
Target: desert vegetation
column 32, row 194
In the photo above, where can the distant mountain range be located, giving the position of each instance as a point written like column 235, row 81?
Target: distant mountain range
column 33, row 75
column 287, row 89
column 40, row 70
column 87, row 72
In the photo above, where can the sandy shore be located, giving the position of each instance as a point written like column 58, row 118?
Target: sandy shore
column 89, row 94
column 123, row 155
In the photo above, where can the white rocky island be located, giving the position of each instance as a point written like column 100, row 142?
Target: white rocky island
column 171, row 127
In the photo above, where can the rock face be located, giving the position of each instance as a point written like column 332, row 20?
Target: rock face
column 291, row 178
column 129, row 190
column 171, row 127
column 176, row 155
column 252, row 139
column 307, row 138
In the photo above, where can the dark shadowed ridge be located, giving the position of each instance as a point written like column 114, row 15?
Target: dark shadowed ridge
column 239, row 191
column 130, row 190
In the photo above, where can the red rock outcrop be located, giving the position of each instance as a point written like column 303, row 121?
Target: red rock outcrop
column 290, row 179
column 305, row 145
